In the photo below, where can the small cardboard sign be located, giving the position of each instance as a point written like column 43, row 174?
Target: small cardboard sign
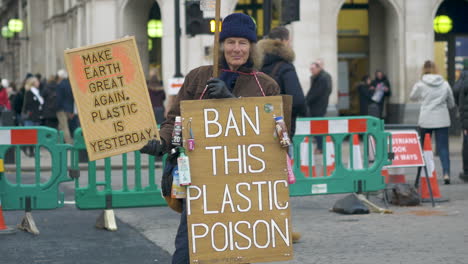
column 238, row 202
column 112, row 98
column 407, row 149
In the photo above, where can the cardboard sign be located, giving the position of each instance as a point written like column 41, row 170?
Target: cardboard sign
column 112, row 98
column 238, row 203
column 407, row 149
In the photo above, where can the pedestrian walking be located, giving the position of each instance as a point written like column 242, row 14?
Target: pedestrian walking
column 317, row 96
column 50, row 102
column 238, row 78
column 381, row 89
column 65, row 106
column 461, row 90
column 365, row 94
column 435, row 95
column 4, row 100
column 278, row 57
column 33, row 103
column 157, row 96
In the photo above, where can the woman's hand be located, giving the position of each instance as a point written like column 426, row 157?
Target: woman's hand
column 216, row 88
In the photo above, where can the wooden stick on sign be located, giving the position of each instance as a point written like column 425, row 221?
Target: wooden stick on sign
column 216, row 40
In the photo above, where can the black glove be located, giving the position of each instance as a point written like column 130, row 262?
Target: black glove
column 153, row 147
column 218, row 89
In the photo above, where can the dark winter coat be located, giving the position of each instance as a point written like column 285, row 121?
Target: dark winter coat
column 65, row 100
column 50, row 101
column 319, row 92
column 277, row 63
column 194, row 85
column 32, row 107
column 461, row 91
column 365, row 95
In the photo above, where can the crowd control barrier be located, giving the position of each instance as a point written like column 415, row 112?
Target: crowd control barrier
column 103, row 194
column 21, row 190
column 342, row 178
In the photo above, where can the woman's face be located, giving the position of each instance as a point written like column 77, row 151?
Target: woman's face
column 236, row 52
column 379, row 75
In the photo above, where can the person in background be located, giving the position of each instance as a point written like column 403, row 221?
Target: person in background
column 317, row 96
column 65, row 106
column 4, row 97
column 327, row 75
column 365, row 94
column 50, row 102
column 33, row 103
column 278, row 57
column 157, row 96
column 42, row 82
column 435, row 95
column 381, row 89
column 461, row 91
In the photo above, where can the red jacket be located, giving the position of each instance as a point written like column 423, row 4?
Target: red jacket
column 4, row 102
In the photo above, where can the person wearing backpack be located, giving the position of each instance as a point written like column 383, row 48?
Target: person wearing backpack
column 49, row 111
column 278, row 57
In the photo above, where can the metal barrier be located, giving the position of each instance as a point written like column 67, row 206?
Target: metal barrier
column 103, row 195
column 341, row 178
column 22, row 191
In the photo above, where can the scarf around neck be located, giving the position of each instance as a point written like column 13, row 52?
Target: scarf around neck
column 230, row 77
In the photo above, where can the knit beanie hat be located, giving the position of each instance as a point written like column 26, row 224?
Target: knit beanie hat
column 238, row 25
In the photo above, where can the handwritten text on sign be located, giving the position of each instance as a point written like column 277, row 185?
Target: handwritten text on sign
column 238, row 203
column 407, row 149
column 113, row 103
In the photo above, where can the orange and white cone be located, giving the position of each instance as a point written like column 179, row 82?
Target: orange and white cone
column 423, row 186
column 357, row 158
column 305, row 159
column 386, row 175
column 4, row 229
column 396, row 175
column 330, row 156
column 371, row 142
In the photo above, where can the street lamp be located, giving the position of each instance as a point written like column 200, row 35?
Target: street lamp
column 442, row 24
column 7, row 33
column 155, row 28
column 15, row 25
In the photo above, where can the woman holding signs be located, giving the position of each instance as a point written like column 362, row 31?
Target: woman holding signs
column 238, row 78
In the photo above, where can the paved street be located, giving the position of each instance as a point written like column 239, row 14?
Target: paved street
column 145, row 235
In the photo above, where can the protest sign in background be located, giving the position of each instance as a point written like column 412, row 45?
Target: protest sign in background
column 238, row 203
column 109, row 88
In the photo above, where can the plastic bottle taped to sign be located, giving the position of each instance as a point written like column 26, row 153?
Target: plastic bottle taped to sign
column 319, row 188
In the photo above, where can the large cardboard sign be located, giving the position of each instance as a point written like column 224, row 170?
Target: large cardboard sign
column 238, row 203
column 407, row 149
column 112, row 98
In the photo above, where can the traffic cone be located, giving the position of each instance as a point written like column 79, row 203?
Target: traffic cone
column 371, row 143
column 4, row 229
column 305, row 159
column 423, row 187
column 357, row 158
column 330, row 156
column 385, row 174
column 396, row 175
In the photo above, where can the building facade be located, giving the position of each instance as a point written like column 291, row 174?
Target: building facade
column 398, row 38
